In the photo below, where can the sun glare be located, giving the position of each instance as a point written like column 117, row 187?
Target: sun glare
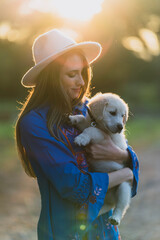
column 11, row 34
column 81, row 10
column 135, row 45
column 4, row 29
column 144, row 47
column 151, row 41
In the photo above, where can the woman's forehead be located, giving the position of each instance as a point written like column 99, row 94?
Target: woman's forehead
column 73, row 61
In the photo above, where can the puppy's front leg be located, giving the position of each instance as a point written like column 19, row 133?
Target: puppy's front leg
column 84, row 138
column 90, row 134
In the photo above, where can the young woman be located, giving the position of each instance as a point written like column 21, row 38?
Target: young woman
column 71, row 196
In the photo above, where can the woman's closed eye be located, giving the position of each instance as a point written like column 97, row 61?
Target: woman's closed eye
column 71, row 74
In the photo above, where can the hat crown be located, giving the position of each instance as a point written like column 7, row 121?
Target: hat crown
column 50, row 43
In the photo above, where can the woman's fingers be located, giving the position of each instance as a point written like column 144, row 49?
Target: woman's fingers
column 107, row 150
column 94, row 151
column 88, row 151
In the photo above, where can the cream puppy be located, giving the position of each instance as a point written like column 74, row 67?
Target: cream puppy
column 107, row 113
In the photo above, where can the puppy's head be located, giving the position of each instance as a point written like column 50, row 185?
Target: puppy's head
column 110, row 111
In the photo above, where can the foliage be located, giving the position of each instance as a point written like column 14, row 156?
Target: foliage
column 119, row 70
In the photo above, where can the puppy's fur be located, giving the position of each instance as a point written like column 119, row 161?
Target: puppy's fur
column 110, row 113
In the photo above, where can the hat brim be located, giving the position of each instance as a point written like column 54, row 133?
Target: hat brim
column 91, row 50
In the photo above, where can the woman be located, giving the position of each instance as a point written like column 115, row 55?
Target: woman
column 71, row 196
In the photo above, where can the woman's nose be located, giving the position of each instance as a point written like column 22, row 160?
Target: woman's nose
column 80, row 80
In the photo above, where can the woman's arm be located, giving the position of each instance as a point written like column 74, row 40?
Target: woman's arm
column 107, row 150
column 117, row 177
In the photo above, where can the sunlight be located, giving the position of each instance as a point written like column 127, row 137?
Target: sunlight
column 10, row 34
column 13, row 35
column 136, row 45
column 151, row 41
column 71, row 33
column 25, row 9
column 4, row 29
column 133, row 43
column 144, row 47
column 81, row 10
column 154, row 23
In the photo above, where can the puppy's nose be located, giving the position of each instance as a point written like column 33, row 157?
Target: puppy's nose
column 120, row 127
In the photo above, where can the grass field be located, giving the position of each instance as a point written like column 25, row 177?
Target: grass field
column 138, row 129
column 141, row 131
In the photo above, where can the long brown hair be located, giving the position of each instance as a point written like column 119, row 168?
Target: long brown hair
column 49, row 90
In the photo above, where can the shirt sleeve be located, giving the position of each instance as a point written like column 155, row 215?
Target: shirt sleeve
column 134, row 165
column 59, row 165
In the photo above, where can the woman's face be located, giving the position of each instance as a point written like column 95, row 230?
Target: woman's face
column 71, row 75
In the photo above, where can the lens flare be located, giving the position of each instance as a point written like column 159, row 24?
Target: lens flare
column 151, row 41
column 80, row 10
column 4, row 29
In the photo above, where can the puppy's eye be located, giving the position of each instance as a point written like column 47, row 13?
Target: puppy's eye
column 113, row 113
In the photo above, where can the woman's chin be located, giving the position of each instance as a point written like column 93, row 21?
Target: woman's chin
column 74, row 97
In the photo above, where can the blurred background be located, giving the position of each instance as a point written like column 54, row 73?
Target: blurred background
column 129, row 32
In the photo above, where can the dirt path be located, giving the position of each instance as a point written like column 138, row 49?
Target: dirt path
column 19, row 207
column 142, row 220
column 20, row 202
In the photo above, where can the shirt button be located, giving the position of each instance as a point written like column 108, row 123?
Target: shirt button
column 97, row 237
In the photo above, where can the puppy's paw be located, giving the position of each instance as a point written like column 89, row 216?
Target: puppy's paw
column 82, row 140
column 114, row 220
column 73, row 119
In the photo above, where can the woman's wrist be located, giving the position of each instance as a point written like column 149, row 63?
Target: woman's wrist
column 119, row 176
column 122, row 155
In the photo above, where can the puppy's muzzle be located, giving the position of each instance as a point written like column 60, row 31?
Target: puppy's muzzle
column 119, row 127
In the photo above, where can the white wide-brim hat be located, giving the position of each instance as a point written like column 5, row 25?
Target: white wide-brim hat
column 50, row 45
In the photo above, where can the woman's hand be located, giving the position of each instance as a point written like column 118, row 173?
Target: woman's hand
column 107, row 150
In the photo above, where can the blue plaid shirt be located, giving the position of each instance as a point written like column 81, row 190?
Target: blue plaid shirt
column 71, row 196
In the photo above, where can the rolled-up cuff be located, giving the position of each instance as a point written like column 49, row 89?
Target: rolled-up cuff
column 100, row 182
column 135, row 168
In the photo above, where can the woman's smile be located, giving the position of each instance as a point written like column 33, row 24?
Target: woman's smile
column 76, row 89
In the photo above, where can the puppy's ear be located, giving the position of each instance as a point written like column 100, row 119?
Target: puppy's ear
column 125, row 118
column 100, row 118
column 106, row 103
column 97, row 106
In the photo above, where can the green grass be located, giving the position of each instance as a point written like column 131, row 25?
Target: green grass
column 143, row 131
column 8, row 106
column 6, row 130
column 8, row 116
